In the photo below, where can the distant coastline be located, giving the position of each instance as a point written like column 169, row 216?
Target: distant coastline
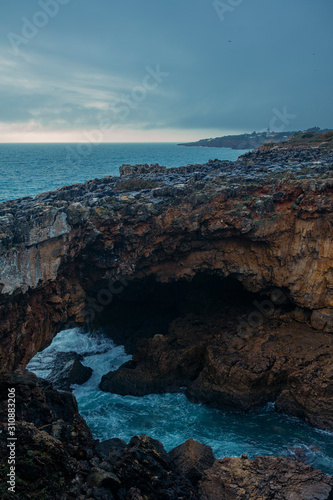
column 250, row 141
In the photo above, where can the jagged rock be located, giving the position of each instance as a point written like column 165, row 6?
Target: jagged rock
column 155, row 368
column 54, row 440
column 79, row 374
column 192, row 459
column 301, row 315
column 37, row 402
column 264, row 478
column 69, row 370
column 146, row 466
column 102, row 494
column 58, row 248
column 69, row 464
column 44, row 465
column 322, row 320
column 102, row 479
column 282, row 360
column 141, row 169
column 57, row 457
column 110, row 449
column 285, row 362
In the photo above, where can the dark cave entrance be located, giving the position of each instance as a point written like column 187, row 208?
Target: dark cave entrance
column 143, row 308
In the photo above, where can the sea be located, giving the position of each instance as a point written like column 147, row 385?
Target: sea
column 29, row 169
column 172, row 418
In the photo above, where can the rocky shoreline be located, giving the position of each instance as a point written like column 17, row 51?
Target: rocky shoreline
column 58, row 458
column 260, row 229
column 308, row 138
column 242, row 141
column 280, row 361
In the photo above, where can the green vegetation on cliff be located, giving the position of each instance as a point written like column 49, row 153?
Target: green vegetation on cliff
column 255, row 140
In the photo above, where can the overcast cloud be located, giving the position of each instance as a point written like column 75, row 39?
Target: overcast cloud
column 162, row 69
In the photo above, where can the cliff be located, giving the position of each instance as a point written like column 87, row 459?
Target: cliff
column 241, row 141
column 267, row 225
column 314, row 136
column 240, row 253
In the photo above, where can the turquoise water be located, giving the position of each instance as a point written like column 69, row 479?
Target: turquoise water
column 172, row 419
column 29, row 169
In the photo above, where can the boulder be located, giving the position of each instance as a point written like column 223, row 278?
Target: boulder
column 146, row 466
column 322, row 319
column 69, row 370
column 281, row 360
column 192, row 459
column 110, row 449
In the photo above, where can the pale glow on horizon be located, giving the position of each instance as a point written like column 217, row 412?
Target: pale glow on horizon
column 32, row 132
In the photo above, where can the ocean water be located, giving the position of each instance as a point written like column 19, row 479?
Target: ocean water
column 172, row 419
column 30, row 169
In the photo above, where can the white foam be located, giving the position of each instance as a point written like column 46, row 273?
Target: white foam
column 171, row 418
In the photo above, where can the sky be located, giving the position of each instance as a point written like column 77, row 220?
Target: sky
column 162, row 70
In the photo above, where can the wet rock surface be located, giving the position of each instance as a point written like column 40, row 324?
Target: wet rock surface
column 219, row 362
column 68, row 370
column 57, row 458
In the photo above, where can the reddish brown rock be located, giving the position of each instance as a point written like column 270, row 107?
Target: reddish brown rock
column 146, row 466
column 57, row 249
column 282, row 360
column 264, row 478
column 322, row 320
column 161, row 364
